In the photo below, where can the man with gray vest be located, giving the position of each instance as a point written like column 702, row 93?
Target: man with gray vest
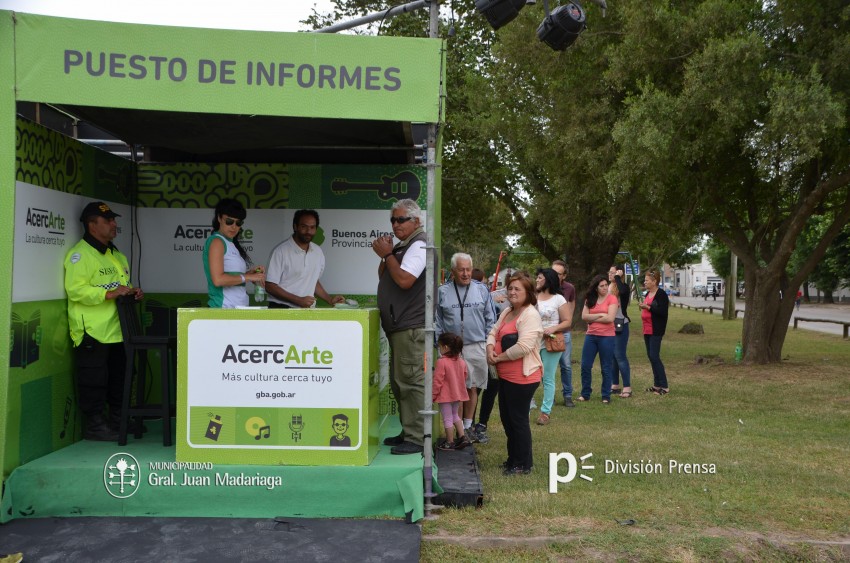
column 401, row 302
column 464, row 307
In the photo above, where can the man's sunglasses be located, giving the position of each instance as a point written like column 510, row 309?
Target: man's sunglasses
column 400, row 220
column 229, row 222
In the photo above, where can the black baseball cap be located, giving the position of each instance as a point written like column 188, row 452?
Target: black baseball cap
column 97, row 208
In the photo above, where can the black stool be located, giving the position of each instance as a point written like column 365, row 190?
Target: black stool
column 135, row 341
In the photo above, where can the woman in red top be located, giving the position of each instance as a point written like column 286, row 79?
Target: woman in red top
column 653, row 313
column 600, row 309
column 513, row 346
column 449, row 389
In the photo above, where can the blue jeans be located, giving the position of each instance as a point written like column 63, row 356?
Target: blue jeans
column 653, row 352
column 550, row 366
column 621, row 361
column 604, row 346
column 567, row 366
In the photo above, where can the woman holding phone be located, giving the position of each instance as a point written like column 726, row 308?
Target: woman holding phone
column 225, row 260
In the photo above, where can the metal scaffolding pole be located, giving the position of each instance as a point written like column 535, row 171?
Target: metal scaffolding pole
column 375, row 16
column 430, row 282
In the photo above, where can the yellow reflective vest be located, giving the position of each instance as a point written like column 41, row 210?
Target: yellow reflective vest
column 88, row 276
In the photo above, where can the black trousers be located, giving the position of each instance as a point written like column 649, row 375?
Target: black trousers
column 276, row 305
column 653, row 352
column 100, row 376
column 514, row 404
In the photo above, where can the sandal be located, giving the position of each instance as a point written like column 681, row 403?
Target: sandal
column 625, row 395
column 606, row 401
column 582, row 400
column 661, row 392
column 652, row 389
column 616, row 389
column 461, row 442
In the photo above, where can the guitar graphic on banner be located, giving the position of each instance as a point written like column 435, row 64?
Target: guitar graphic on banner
column 404, row 185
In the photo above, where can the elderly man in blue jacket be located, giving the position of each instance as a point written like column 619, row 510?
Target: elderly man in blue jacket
column 464, row 307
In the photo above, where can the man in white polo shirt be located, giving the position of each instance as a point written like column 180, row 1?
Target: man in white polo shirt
column 295, row 266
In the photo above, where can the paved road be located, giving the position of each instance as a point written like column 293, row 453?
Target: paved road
column 836, row 312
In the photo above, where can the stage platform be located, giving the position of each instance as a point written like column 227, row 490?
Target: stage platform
column 73, row 482
column 460, row 478
column 210, row 539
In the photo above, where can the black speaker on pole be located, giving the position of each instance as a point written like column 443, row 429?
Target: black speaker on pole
column 562, row 26
column 499, row 12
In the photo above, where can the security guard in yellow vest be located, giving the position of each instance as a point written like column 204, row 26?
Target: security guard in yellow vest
column 95, row 275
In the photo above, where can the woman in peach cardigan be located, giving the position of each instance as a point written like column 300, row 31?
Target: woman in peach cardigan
column 513, row 346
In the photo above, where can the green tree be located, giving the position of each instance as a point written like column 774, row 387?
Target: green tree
column 753, row 130
column 528, row 141
column 664, row 120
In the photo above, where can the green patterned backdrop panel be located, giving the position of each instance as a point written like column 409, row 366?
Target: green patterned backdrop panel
column 372, row 187
column 280, row 186
column 202, row 185
column 49, row 159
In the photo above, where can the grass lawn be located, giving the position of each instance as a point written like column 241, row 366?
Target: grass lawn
column 778, row 435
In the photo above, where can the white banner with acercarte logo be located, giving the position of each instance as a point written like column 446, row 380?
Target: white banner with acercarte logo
column 47, row 224
column 275, row 363
column 172, row 245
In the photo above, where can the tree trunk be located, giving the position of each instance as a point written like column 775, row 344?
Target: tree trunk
column 585, row 262
column 766, row 319
column 828, row 296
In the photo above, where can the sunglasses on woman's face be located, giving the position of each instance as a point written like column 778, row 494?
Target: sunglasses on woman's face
column 229, row 222
column 400, row 220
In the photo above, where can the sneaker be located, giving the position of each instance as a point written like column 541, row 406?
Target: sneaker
column 446, row 446
column 481, row 433
column 568, row 402
column 406, row 448
column 394, row 440
column 472, row 435
column 533, row 405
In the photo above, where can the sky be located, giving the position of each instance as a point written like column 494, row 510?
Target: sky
column 262, row 15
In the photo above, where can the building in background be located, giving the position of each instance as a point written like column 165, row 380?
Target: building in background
column 695, row 280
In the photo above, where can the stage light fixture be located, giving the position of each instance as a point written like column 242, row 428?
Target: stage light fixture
column 499, row 12
column 562, row 26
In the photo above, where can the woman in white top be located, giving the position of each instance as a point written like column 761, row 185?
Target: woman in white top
column 225, row 261
column 555, row 315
